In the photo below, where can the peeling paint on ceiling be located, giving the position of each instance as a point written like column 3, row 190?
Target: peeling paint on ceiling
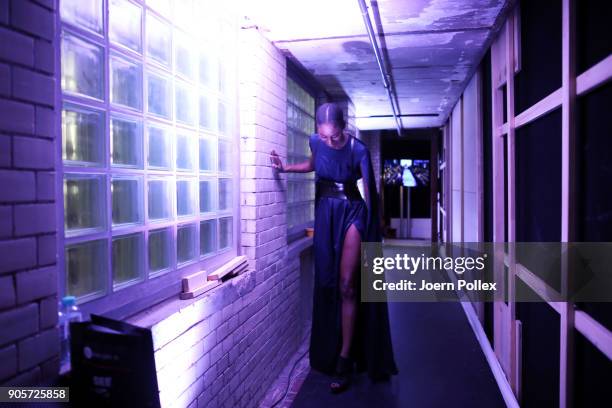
column 432, row 47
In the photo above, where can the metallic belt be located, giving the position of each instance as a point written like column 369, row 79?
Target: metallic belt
column 345, row 191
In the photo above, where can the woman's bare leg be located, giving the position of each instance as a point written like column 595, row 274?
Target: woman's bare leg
column 348, row 267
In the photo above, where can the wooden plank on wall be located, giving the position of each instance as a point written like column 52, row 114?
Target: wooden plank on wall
column 511, row 164
column 568, row 194
column 227, row 268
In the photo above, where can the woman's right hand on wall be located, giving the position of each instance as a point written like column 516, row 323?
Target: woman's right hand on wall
column 276, row 161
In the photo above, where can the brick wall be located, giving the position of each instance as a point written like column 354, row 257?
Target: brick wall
column 29, row 341
column 226, row 348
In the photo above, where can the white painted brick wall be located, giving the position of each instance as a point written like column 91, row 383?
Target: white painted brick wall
column 29, row 340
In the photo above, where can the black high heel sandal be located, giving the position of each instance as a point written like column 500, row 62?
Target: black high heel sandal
column 342, row 379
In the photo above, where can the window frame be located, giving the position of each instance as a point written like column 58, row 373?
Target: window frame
column 159, row 285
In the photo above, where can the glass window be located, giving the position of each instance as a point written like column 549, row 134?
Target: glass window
column 185, row 103
column 207, row 113
column 207, row 195
column 143, row 185
column 184, row 58
column 225, row 158
column 126, row 142
column 126, row 83
column 300, row 125
column 185, row 243
column 82, row 67
column 84, row 14
column 208, row 236
column 86, row 268
column 185, row 197
column 185, row 150
column 225, row 232
column 208, row 68
column 207, row 153
column 160, row 199
column 127, row 200
column 222, row 118
column 82, row 136
column 84, row 200
column 159, row 98
column 160, row 147
column 125, row 24
column 225, row 194
column 127, row 259
column 160, row 249
column 159, row 40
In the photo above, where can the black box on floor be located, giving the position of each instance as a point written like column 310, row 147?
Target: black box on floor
column 112, row 364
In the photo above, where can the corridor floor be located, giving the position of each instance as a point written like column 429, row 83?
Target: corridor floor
column 440, row 364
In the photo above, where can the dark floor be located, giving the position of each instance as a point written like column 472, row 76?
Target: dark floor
column 439, row 360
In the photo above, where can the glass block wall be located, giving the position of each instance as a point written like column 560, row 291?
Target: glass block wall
column 147, row 132
column 300, row 125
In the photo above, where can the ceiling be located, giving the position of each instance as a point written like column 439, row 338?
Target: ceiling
column 432, row 47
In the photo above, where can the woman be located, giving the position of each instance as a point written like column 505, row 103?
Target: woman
column 344, row 330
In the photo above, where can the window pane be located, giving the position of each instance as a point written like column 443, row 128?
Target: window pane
column 82, row 136
column 184, row 58
column 159, row 197
column 290, row 139
column 185, row 151
column 208, row 236
column 159, row 40
column 127, row 200
column 185, row 197
column 86, row 14
column 160, row 147
column 185, row 103
column 126, row 83
column 225, row 194
column 83, row 202
column 207, row 153
column 207, row 113
column 225, row 232
column 207, row 195
column 160, row 249
column 159, row 95
column 86, row 268
column 127, row 258
column 186, row 243
column 82, row 67
column 125, row 24
column 225, row 157
column 208, row 68
column 126, row 142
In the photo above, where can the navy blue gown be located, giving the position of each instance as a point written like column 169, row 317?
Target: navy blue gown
column 371, row 347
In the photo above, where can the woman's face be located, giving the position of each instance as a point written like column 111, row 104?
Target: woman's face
column 329, row 131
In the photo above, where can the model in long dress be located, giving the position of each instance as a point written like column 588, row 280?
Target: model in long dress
column 344, row 328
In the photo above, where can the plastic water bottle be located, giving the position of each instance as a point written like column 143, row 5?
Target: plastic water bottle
column 68, row 312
